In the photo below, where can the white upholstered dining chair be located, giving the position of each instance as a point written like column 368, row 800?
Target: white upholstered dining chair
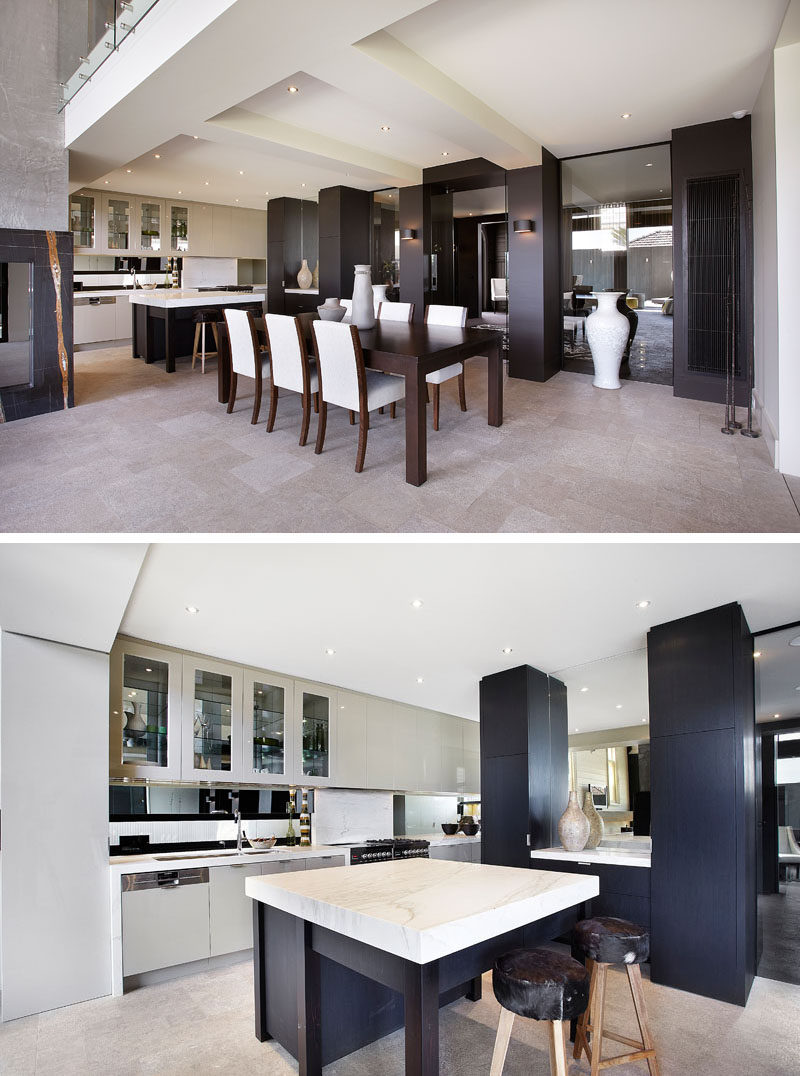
column 446, row 315
column 346, row 382
column 396, row 312
column 291, row 367
column 247, row 359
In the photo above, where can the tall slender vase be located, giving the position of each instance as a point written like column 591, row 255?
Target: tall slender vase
column 607, row 333
column 596, row 827
column 573, row 826
column 304, row 276
column 363, row 312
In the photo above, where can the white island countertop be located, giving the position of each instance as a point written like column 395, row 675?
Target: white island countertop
column 422, row 909
column 611, row 856
column 167, row 298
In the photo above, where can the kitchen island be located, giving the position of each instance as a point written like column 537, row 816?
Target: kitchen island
column 163, row 321
column 345, row 956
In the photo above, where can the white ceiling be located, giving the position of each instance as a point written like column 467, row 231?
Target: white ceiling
column 460, row 77
column 778, row 675
column 72, row 593
column 628, row 176
column 558, row 605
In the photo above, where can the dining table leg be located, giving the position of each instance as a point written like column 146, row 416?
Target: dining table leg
column 416, row 429
column 495, row 372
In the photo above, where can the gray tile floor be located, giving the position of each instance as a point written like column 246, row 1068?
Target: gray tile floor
column 204, row 1023
column 144, row 451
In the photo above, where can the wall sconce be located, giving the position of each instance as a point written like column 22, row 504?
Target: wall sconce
column 408, row 233
column 524, row 226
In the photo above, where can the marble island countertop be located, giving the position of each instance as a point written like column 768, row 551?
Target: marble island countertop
column 170, row 861
column 617, row 853
column 422, row 909
column 174, row 297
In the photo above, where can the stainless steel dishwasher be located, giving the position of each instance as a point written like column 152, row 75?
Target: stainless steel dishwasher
column 165, row 919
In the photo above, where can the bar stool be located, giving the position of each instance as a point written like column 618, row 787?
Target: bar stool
column 605, row 941
column 541, row 985
column 201, row 319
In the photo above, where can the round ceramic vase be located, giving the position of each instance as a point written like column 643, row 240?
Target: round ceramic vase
column 331, row 310
column 607, row 333
column 363, row 313
column 573, row 826
column 596, row 827
column 379, row 292
column 304, row 276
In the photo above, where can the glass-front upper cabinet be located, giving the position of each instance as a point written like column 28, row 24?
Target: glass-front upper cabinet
column 144, row 712
column 178, row 216
column 150, row 216
column 212, row 720
column 314, row 710
column 118, row 222
column 82, row 221
column 267, row 741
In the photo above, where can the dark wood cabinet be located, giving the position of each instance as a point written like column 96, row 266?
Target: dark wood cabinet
column 624, row 891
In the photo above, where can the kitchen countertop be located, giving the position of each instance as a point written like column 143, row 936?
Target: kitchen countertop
column 436, row 839
column 172, row 297
column 170, row 861
column 613, row 856
column 422, row 909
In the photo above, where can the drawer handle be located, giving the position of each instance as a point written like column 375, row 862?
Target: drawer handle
column 172, row 884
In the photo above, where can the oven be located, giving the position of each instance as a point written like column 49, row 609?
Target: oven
column 388, row 849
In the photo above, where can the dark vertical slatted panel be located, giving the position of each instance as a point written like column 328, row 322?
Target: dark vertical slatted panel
column 713, row 243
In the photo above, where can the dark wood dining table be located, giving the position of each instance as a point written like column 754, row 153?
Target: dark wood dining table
column 415, row 351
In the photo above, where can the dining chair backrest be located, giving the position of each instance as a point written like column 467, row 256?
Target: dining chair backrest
column 446, row 315
column 787, row 845
column 243, row 341
column 340, row 364
column 395, row 311
column 286, row 351
column 348, row 305
column 499, row 288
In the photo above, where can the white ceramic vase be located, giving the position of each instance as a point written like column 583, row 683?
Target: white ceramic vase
column 607, row 333
column 573, row 826
column 596, row 827
column 331, row 310
column 363, row 313
column 379, row 293
column 304, row 276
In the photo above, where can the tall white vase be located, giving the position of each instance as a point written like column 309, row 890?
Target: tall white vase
column 607, row 333
column 363, row 312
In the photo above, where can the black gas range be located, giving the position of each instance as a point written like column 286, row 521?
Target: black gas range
column 390, row 848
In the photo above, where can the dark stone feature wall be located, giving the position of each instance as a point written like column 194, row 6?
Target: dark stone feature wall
column 46, row 393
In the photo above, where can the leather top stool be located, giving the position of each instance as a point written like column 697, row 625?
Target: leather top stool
column 202, row 318
column 540, row 985
column 605, row 941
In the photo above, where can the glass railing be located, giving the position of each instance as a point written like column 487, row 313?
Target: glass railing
column 84, row 49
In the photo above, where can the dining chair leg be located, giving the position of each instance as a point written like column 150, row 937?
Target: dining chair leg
column 306, row 418
column 380, row 410
column 558, row 1052
column 194, row 348
column 256, row 402
column 232, row 393
column 393, row 410
column 363, row 427
column 273, row 406
column 352, row 415
column 316, row 403
column 504, row 1025
column 462, row 393
column 323, row 418
column 436, row 396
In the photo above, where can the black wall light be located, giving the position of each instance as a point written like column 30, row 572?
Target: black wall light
column 408, row 233
column 524, row 226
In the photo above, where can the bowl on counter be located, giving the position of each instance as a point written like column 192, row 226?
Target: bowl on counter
column 148, row 287
column 261, row 844
column 469, row 829
column 449, row 828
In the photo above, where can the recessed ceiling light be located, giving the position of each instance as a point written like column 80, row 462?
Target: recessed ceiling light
column 417, row 603
column 757, row 653
column 192, row 609
column 236, row 199
column 129, row 170
column 626, row 115
column 584, row 689
column 105, row 181
column 302, row 184
column 180, row 192
column 195, row 137
column 206, row 182
column 385, row 127
column 507, row 649
column 776, row 716
column 576, row 730
column 795, row 641
column 419, row 680
column 619, row 705
column 341, row 707
column 445, row 153
column 115, row 713
column 241, row 173
column 292, row 89
column 644, row 720
column 649, row 164
column 266, row 192
column 329, row 651
column 643, row 604
column 157, row 156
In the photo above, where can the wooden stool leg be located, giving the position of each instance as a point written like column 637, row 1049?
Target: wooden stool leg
column 203, row 348
column 194, row 348
column 558, row 1053
column 635, row 983
column 504, row 1026
column 598, row 1005
column 581, row 1043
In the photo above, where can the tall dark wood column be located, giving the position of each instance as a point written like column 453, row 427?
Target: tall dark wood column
column 414, row 214
column 524, row 763
column 345, row 239
column 291, row 236
column 703, row 823
column 534, row 275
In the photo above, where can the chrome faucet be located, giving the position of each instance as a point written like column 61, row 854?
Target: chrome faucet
column 238, row 816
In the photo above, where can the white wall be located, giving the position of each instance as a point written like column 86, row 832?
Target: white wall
column 54, row 910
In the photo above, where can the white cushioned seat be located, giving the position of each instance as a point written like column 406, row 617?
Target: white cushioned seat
column 438, row 377
column 383, row 389
column 457, row 317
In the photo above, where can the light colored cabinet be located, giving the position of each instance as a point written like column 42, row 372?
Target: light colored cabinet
column 144, row 712
column 118, row 215
column 461, row 851
column 429, row 751
column 123, row 322
column 314, row 733
column 319, row 862
column 452, row 753
column 268, row 720
column 149, row 233
column 351, row 740
column 200, row 230
column 230, row 909
column 380, row 751
column 222, row 243
column 178, row 232
column 84, row 208
column 94, row 319
column 471, row 732
column 164, row 926
column 212, row 720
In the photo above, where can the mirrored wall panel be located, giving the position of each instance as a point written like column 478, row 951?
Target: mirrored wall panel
column 16, row 322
